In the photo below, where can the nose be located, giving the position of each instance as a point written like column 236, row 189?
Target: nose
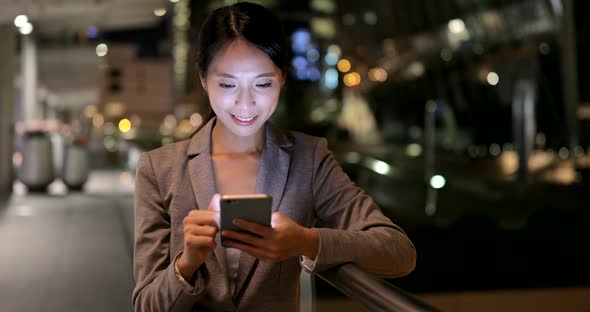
column 246, row 98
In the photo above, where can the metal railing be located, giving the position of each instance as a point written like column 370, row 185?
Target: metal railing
column 375, row 293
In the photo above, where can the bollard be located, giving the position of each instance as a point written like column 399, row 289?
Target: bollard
column 36, row 171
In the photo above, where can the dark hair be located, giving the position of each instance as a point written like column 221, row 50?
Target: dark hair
column 252, row 22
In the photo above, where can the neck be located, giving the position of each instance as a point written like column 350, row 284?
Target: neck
column 224, row 142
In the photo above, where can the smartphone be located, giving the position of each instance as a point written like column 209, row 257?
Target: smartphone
column 252, row 207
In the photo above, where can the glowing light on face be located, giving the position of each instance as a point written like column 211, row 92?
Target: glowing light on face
column 243, row 85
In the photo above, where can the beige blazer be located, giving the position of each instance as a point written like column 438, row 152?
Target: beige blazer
column 306, row 184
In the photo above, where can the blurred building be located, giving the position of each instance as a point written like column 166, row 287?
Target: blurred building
column 140, row 89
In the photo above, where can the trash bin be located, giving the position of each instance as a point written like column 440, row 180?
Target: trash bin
column 36, row 171
column 76, row 165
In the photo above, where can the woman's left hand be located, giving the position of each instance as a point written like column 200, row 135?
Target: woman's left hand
column 283, row 240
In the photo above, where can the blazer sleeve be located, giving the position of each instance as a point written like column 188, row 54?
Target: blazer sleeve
column 359, row 232
column 157, row 287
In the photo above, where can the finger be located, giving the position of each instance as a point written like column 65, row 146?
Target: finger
column 253, row 227
column 207, row 218
column 202, row 218
column 201, row 230
column 201, row 213
column 200, row 242
column 244, row 237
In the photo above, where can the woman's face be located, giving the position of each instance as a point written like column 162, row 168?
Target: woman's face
column 243, row 86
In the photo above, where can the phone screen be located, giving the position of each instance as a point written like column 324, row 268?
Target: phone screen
column 255, row 208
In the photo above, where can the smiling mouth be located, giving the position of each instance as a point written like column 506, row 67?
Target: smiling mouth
column 244, row 119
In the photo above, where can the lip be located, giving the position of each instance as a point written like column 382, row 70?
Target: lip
column 243, row 123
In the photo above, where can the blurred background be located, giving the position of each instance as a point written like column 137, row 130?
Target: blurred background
column 468, row 121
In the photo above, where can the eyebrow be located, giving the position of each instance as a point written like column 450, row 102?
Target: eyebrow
column 225, row 75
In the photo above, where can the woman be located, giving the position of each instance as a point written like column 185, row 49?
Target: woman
column 179, row 264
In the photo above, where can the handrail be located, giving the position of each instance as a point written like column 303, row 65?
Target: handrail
column 373, row 292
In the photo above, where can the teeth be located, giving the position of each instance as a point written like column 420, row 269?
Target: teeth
column 243, row 119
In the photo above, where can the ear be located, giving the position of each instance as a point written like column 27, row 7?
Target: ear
column 203, row 82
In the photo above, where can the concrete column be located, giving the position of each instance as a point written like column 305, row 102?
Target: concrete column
column 7, row 37
column 29, row 69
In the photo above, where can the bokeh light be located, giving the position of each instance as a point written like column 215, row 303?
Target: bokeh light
column 352, row 79
column 124, row 125
column 343, row 65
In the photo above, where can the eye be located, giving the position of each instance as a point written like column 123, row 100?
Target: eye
column 226, row 86
column 264, row 85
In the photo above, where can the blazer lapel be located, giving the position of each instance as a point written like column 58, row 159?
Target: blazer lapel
column 271, row 179
column 274, row 166
column 202, row 177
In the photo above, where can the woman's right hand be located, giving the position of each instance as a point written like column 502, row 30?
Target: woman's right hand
column 200, row 229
